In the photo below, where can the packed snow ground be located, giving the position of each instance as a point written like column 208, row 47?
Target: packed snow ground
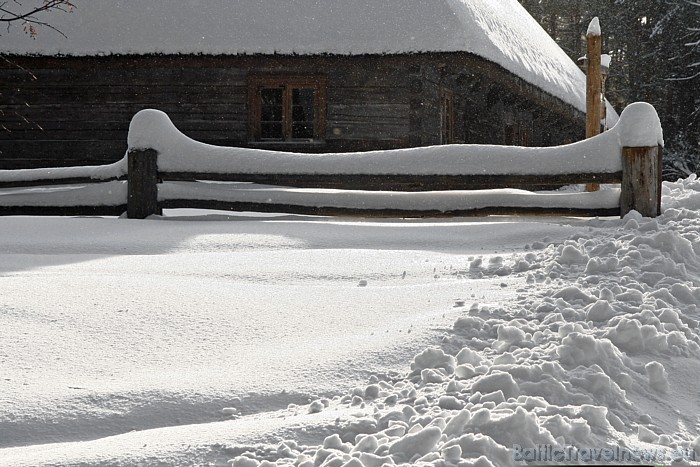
column 286, row 339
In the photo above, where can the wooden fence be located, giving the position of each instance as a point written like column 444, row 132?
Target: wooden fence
column 177, row 172
column 639, row 179
column 64, row 191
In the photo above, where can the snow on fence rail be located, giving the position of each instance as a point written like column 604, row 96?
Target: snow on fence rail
column 169, row 170
column 166, row 169
column 71, row 191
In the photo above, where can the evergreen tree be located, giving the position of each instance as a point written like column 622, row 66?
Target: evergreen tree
column 655, row 50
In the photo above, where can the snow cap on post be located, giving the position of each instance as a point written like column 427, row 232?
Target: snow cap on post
column 639, row 126
column 152, row 129
column 641, row 138
column 593, row 28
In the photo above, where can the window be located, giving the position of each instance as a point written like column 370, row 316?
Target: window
column 286, row 109
column 447, row 117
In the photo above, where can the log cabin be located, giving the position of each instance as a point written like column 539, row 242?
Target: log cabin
column 300, row 75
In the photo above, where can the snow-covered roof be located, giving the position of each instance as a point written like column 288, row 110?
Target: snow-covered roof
column 499, row 30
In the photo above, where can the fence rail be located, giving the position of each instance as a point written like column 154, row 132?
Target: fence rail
column 43, row 182
column 116, row 210
column 64, row 191
column 243, row 206
column 407, row 182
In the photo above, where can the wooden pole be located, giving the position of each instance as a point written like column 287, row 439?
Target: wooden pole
column 641, row 180
column 143, row 184
column 594, row 86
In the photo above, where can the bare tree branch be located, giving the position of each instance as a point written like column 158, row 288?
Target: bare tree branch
column 15, row 11
column 9, row 16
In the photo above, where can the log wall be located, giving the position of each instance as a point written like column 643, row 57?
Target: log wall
column 63, row 111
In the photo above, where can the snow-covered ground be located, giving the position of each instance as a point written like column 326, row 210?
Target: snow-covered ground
column 200, row 338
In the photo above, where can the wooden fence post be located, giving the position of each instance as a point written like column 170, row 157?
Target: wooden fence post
column 641, row 180
column 593, row 85
column 143, row 183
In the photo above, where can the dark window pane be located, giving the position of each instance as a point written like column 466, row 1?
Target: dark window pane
column 271, row 96
column 302, row 130
column 271, row 113
column 271, row 130
column 302, row 113
column 271, row 105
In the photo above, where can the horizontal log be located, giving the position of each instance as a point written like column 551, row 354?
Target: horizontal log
column 380, row 213
column 79, row 134
column 364, row 94
column 19, row 163
column 118, row 111
column 58, row 181
column 104, row 76
column 106, row 95
column 75, row 134
column 365, row 131
column 62, row 210
column 331, row 145
column 402, row 182
column 374, row 114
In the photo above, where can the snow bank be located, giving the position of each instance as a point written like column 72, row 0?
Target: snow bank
column 580, row 364
column 597, row 350
column 179, row 153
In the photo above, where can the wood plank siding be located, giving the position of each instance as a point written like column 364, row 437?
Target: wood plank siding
column 60, row 111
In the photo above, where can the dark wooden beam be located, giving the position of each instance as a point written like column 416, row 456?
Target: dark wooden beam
column 62, row 210
column 58, row 181
column 372, row 182
column 380, row 213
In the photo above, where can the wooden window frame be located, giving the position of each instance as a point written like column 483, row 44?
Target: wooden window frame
column 447, row 116
column 256, row 83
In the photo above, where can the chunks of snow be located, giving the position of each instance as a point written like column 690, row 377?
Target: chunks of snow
column 242, row 461
column 658, row 379
column 497, row 381
column 467, row 355
column 434, row 358
column 572, row 255
column 645, row 435
column 600, row 311
column 414, row 445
